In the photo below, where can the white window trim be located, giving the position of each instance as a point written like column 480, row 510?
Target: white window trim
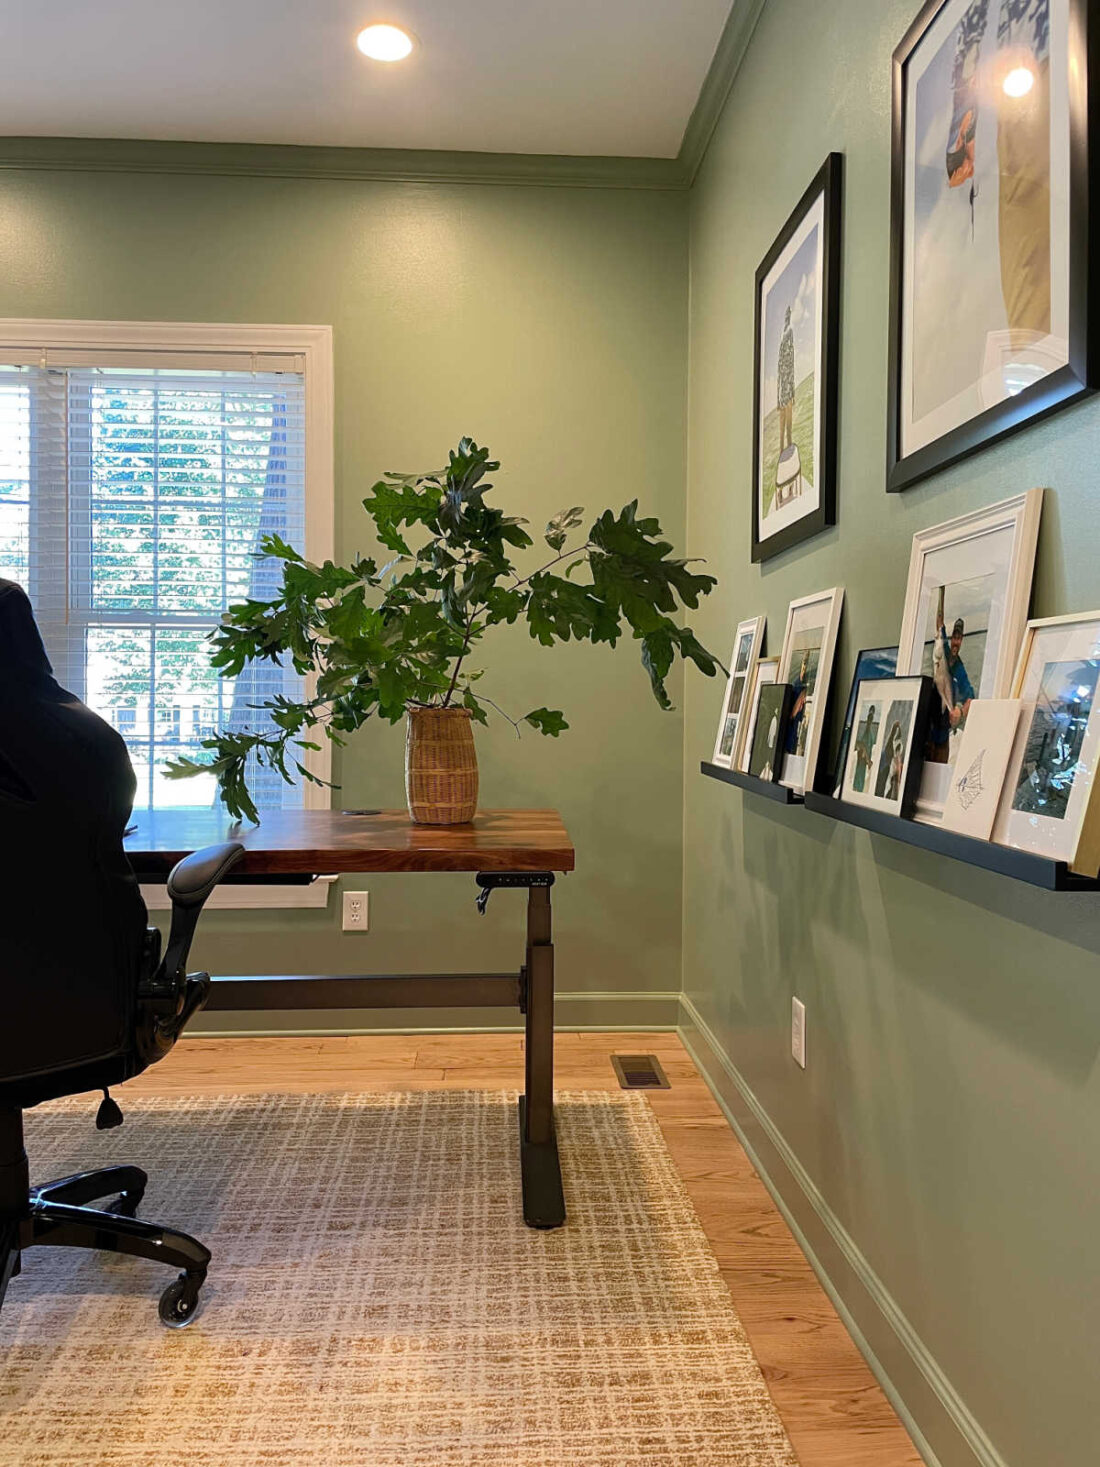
column 20, row 336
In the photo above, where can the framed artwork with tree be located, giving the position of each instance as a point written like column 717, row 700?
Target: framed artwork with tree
column 796, row 346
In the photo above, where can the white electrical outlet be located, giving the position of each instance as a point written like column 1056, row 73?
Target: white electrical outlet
column 356, row 911
column 798, row 1031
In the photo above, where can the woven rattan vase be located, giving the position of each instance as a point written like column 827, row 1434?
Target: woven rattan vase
column 440, row 766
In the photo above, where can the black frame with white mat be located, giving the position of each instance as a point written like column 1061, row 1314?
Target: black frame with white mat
column 972, row 202
column 813, row 228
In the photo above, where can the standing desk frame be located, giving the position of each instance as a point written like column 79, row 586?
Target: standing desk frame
column 503, row 849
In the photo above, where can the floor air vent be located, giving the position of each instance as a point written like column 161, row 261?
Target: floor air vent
column 640, row 1072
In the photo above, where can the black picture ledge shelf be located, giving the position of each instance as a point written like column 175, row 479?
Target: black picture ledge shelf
column 1021, row 865
column 765, row 787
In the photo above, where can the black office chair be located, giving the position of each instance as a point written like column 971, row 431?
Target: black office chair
column 86, row 999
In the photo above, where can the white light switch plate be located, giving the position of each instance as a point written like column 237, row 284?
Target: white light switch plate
column 798, row 1031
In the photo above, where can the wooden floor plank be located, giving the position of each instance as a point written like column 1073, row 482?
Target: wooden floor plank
column 834, row 1411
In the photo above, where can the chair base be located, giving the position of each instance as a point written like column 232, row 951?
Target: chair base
column 54, row 1216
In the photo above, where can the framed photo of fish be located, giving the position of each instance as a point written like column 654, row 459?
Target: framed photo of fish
column 966, row 606
column 1050, row 802
column 795, row 371
column 885, row 751
column 989, row 221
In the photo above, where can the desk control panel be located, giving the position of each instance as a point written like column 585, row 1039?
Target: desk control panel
column 489, row 881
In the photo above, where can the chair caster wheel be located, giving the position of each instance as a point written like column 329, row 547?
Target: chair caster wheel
column 179, row 1304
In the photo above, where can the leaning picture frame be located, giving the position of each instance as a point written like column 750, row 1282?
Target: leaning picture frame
column 764, row 674
column 1050, row 801
column 796, row 346
column 989, row 226
column 870, row 662
column 806, row 662
column 748, row 642
column 966, row 606
column 883, row 768
column 773, row 712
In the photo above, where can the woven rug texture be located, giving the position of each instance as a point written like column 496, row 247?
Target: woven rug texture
column 375, row 1299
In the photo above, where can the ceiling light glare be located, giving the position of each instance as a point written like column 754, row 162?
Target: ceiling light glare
column 1019, row 81
column 384, row 43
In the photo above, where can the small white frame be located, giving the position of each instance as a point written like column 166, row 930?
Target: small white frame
column 1080, row 847
column 751, row 631
column 832, row 604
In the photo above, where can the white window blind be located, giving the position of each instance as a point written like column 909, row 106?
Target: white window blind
column 132, row 502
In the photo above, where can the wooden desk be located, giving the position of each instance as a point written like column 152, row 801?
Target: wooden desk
column 502, row 848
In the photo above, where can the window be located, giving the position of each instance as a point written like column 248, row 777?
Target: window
column 136, row 481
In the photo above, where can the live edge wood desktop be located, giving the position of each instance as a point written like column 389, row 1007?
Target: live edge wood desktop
column 501, row 848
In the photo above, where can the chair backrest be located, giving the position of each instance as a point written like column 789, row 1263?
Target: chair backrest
column 72, row 921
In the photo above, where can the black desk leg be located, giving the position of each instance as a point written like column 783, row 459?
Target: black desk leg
column 543, row 1199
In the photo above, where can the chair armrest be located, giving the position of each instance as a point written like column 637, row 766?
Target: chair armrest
column 190, row 883
column 193, row 879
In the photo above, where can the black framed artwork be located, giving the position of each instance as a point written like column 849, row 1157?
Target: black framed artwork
column 990, row 170
column 796, row 355
column 884, row 757
column 871, row 662
column 770, row 734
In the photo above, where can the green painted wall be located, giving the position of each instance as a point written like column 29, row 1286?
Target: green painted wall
column 940, row 1152
column 549, row 323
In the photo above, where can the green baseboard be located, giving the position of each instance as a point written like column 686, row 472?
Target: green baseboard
column 943, row 1429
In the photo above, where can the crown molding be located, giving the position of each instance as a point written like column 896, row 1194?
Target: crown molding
column 717, row 85
column 402, row 165
column 407, row 165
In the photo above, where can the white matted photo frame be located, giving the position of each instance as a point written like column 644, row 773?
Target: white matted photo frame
column 966, row 606
column 884, row 755
column 1050, row 803
column 979, row 773
column 989, row 221
column 806, row 662
column 795, row 371
column 765, row 673
column 748, row 643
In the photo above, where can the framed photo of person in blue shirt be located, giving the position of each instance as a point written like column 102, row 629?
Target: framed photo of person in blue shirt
column 966, row 607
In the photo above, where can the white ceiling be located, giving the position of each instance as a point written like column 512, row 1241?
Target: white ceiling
column 582, row 77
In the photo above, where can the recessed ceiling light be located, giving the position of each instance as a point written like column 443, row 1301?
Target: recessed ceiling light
column 384, row 42
column 1019, row 81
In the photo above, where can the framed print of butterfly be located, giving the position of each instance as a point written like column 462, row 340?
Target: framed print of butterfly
column 985, row 747
column 969, row 787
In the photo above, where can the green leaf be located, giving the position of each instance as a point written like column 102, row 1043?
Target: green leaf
column 557, row 529
column 275, row 546
column 504, row 605
column 477, row 712
column 547, row 721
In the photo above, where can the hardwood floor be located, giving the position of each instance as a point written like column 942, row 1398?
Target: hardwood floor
column 833, row 1409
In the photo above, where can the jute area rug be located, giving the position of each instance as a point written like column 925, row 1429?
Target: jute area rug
column 375, row 1299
